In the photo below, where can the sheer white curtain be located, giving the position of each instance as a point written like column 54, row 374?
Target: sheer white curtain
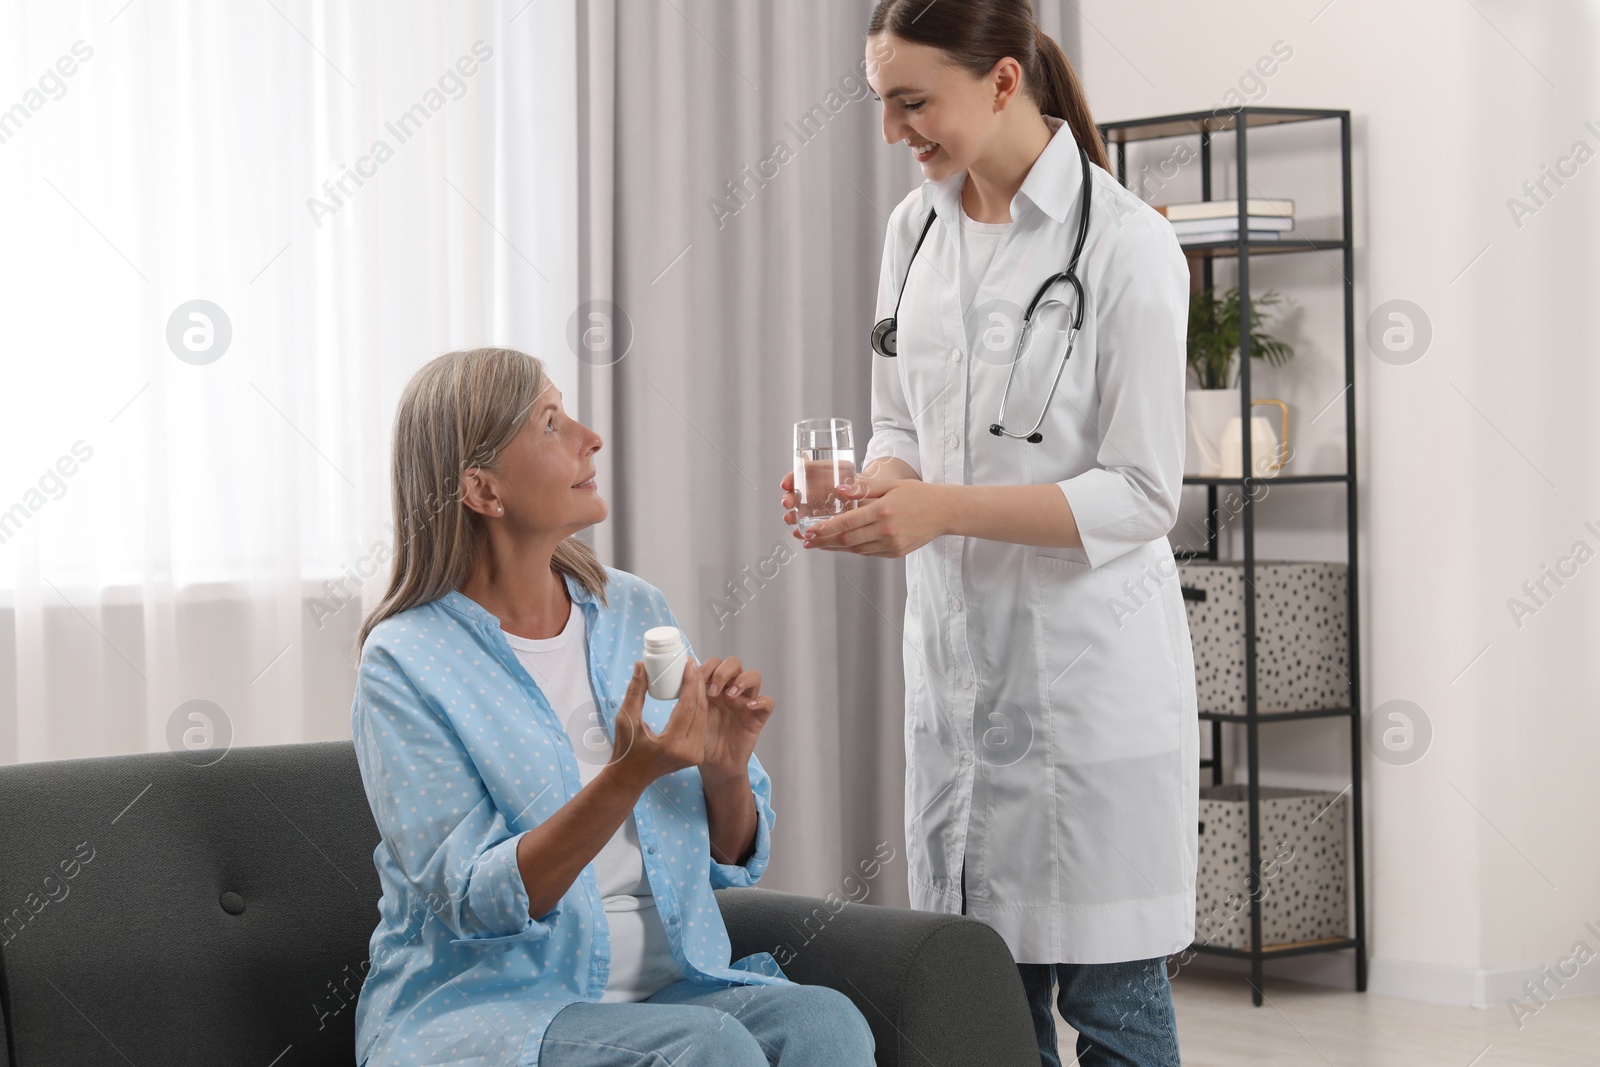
column 194, row 496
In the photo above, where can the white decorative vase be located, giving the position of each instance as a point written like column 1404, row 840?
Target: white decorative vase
column 1209, row 412
column 1266, row 451
column 1215, row 431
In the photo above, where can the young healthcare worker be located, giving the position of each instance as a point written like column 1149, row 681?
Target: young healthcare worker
column 1030, row 482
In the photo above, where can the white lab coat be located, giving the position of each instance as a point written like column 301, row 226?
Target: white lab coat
column 1051, row 734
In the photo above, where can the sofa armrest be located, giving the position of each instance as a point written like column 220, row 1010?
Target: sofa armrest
column 937, row 989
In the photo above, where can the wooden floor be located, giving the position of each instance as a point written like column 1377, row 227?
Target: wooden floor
column 1321, row 1027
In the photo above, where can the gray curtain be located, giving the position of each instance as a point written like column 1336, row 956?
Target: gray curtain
column 718, row 315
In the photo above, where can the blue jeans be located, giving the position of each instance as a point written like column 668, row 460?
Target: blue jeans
column 730, row 1026
column 1122, row 1011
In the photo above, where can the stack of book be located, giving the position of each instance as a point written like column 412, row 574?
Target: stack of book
column 1218, row 220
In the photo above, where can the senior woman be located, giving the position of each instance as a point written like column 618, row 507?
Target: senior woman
column 550, row 835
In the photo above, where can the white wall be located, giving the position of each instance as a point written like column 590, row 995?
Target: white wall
column 1478, row 462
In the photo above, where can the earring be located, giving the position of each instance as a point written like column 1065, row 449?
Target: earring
column 499, row 510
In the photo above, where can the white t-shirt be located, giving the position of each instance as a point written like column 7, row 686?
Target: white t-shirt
column 641, row 959
column 978, row 242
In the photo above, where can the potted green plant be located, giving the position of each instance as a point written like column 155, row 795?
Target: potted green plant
column 1213, row 348
column 1214, row 335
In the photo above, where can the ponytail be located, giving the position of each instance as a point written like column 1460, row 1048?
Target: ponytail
column 1057, row 92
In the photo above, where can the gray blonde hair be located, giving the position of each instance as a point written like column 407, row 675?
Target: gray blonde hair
column 460, row 410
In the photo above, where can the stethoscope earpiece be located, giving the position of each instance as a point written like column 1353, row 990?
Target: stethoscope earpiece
column 1033, row 438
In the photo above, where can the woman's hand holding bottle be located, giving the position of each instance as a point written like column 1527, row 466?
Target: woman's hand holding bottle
column 714, row 725
column 645, row 755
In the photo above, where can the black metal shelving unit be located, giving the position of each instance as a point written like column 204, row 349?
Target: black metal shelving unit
column 1204, row 124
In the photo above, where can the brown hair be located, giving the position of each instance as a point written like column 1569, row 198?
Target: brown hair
column 977, row 34
column 459, row 411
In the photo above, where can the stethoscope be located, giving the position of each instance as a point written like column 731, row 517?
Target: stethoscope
column 883, row 334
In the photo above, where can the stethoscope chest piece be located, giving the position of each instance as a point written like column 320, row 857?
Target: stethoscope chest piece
column 883, row 339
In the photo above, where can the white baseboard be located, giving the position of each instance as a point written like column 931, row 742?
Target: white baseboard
column 1456, row 986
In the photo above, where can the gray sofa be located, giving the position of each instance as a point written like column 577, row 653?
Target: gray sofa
column 159, row 913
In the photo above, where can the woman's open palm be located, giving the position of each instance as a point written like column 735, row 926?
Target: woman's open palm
column 737, row 713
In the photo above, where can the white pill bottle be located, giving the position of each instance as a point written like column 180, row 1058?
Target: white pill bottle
column 664, row 658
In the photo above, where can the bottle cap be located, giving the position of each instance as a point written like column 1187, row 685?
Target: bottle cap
column 663, row 639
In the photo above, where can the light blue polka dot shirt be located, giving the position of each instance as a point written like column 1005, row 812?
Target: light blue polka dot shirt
column 460, row 754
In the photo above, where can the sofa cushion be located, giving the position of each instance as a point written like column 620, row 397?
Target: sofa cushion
column 158, row 912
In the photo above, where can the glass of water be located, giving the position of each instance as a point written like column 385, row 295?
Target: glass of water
column 824, row 457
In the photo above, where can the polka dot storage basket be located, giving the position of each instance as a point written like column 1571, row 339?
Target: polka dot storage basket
column 1302, row 636
column 1303, row 885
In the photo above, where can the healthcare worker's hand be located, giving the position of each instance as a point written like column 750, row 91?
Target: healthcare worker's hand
column 791, row 501
column 737, row 714
column 885, row 466
column 893, row 517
